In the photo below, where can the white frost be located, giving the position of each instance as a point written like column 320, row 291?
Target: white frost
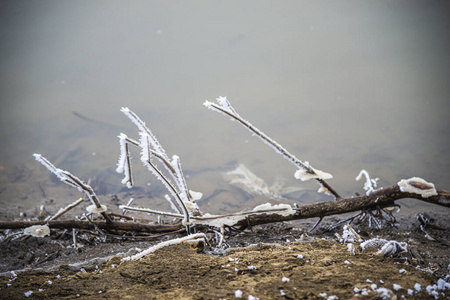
column 37, row 230
column 238, row 293
column 373, row 245
column 418, row 287
column 97, row 210
column 195, row 195
column 349, row 235
column 304, row 175
column 246, row 180
column 417, row 185
column 284, row 209
column 370, row 185
column 152, row 249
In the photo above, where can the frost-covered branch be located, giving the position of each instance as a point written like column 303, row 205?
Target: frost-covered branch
column 415, row 188
column 305, row 172
column 151, row 148
column 74, row 181
column 264, row 214
column 197, row 237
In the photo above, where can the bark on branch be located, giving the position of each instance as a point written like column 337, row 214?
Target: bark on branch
column 382, row 198
column 113, row 225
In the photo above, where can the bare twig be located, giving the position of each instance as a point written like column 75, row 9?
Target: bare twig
column 114, row 225
column 64, row 210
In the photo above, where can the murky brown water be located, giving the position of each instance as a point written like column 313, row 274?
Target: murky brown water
column 344, row 86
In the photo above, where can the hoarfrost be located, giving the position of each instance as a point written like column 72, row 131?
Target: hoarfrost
column 195, row 195
column 305, row 175
column 385, row 293
column 281, row 209
column 37, row 230
column 417, row 185
column 370, row 185
column 305, row 171
column 351, row 248
column 349, row 235
column 248, row 181
column 97, row 210
column 373, row 244
column 122, row 165
column 143, row 128
column 196, row 236
column 238, row 293
column 418, row 287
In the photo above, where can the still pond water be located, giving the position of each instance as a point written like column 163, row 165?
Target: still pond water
column 344, row 85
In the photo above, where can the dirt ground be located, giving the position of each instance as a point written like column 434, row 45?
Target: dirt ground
column 267, row 262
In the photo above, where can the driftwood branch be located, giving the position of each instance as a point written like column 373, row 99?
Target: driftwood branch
column 114, row 225
column 381, row 198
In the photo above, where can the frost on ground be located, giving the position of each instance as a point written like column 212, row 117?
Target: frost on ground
column 179, row 271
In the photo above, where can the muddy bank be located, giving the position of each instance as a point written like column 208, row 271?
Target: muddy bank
column 299, row 270
column 307, row 268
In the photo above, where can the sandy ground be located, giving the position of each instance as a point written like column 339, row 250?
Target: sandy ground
column 267, row 262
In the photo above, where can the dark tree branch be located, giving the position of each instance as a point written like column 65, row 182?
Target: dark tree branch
column 380, row 198
column 383, row 197
column 113, row 225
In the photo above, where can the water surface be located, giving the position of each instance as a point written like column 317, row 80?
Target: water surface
column 343, row 85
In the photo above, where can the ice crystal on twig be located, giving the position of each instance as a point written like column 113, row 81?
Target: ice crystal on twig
column 181, row 198
column 73, row 181
column 306, row 171
column 370, row 185
column 197, row 237
column 150, row 147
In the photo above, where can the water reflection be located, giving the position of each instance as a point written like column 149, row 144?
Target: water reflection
column 345, row 87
